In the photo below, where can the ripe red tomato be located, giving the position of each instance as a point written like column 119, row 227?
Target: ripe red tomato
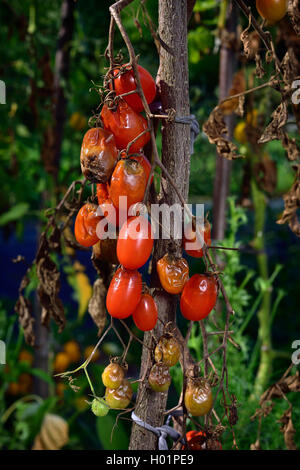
column 106, row 207
column 124, row 293
column 272, row 10
column 198, row 297
column 126, row 82
column 98, row 155
column 135, row 242
column 144, row 162
column 126, row 125
column 128, row 179
column 173, row 273
column 86, row 224
column 145, row 315
column 195, row 440
column 190, row 238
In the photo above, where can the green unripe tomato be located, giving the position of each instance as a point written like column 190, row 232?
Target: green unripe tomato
column 100, row 407
column 113, row 375
column 159, row 377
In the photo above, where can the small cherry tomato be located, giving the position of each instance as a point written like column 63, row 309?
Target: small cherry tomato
column 120, row 397
column 195, row 440
column 86, row 224
column 144, row 162
column 199, row 297
column 124, row 293
column 190, row 238
column 135, row 242
column 98, row 155
column 272, row 10
column 159, row 377
column 198, row 397
column 167, row 351
column 129, row 180
column 125, row 82
column 173, row 273
column 73, row 350
column 145, row 315
column 99, row 407
column 126, row 125
column 113, row 375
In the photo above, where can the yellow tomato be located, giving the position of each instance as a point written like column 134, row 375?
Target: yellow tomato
column 61, row 362
column 73, row 351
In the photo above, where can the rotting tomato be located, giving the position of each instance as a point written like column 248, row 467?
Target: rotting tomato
column 120, row 397
column 167, row 350
column 145, row 315
column 195, row 440
column 106, row 250
column 113, row 375
column 272, row 10
column 144, row 162
column 128, row 180
column 124, row 293
column 98, row 155
column 173, row 273
column 125, row 82
column 86, row 224
column 135, row 242
column 198, row 398
column 126, row 125
column 199, row 296
column 190, row 238
column 159, row 377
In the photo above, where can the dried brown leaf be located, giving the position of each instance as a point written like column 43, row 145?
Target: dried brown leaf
column 97, row 308
column 291, row 205
column 288, row 429
column 273, row 130
column 294, row 14
column 24, row 310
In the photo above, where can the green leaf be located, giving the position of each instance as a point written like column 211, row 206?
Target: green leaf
column 120, row 439
column 203, row 5
column 15, row 213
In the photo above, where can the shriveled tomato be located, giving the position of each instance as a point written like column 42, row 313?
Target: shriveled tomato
column 86, row 224
column 190, row 238
column 145, row 315
column 126, row 125
column 173, row 273
column 129, row 180
column 198, row 397
column 124, row 293
column 125, row 82
column 98, row 155
column 195, row 440
column 135, row 242
column 199, row 297
column 272, row 10
column 144, row 162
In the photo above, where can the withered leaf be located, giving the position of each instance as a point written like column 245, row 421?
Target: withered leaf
column 96, row 307
column 294, row 14
column 215, row 129
column 231, row 105
column 288, row 429
column 292, row 149
column 291, row 205
column 280, row 117
column 24, row 310
column 259, row 71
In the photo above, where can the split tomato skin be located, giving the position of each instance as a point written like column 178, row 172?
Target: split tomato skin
column 124, row 293
column 135, row 242
column 272, row 10
column 126, row 125
column 190, row 237
column 173, row 273
column 98, row 155
column 199, row 297
column 125, row 82
column 86, row 223
column 146, row 314
column 129, row 180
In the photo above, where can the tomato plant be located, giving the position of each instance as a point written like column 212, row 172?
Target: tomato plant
column 135, row 242
column 98, row 155
column 199, row 297
column 125, row 82
column 126, row 125
column 145, row 315
column 173, row 273
column 272, row 10
column 86, row 224
column 129, row 180
column 124, row 293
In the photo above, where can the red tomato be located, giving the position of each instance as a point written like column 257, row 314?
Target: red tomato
column 145, row 315
column 198, row 297
column 135, row 243
column 190, row 238
column 126, row 125
column 86, row 224
column 111, row 213
column 195, row 440
column 272, row 10
column 129, row 180
column 173, row 273
column 144, row 162
column 124, row 293
column 126, row 82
